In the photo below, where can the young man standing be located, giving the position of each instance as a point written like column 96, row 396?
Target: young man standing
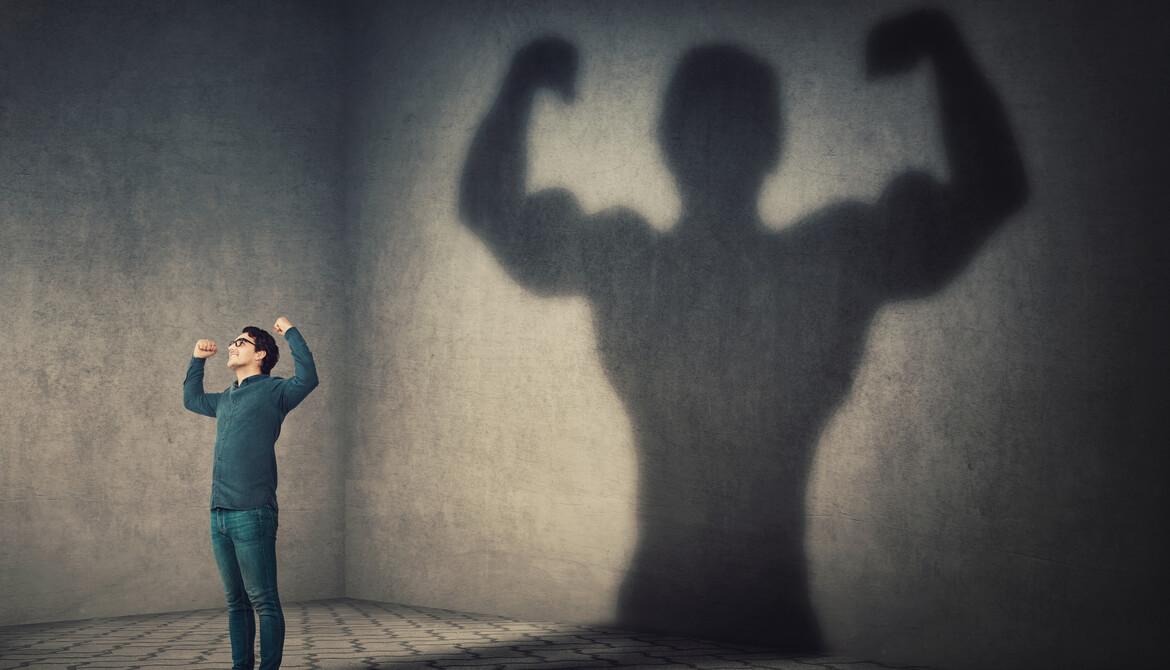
column 243, row 489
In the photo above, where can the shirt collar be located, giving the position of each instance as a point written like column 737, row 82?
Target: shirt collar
column 249, row 380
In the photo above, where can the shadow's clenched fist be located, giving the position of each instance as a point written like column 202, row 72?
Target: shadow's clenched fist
column 896, row 45
column 549, row 62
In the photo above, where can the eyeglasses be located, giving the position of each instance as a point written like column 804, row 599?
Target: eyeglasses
column 239, row 342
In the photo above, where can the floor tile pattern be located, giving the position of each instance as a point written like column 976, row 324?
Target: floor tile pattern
column 347, row 634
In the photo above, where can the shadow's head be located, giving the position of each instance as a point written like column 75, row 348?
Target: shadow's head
column 720, row 128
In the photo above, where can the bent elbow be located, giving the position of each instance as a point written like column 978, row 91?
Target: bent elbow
column 1017, row 195
column 308, row 383
column 1009, row 199
column 1009, row 189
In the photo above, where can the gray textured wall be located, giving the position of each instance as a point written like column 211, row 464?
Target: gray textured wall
column 987, row 493
column 168, row 171
column 984, row 495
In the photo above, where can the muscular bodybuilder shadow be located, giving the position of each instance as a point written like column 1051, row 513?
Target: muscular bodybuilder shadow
column 731, row 345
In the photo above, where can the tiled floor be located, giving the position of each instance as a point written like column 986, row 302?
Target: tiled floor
column 357, row 634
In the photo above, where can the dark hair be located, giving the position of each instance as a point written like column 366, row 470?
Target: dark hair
column 265, row 343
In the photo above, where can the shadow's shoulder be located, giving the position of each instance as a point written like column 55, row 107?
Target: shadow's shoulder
column 829, row 222
column 625, row 221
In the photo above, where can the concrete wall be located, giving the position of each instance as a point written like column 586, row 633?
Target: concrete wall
column 986, row 491
column 168, row 171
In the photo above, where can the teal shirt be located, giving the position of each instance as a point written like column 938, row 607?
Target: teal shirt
column 248, row 417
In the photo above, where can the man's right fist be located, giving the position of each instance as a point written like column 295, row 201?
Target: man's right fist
column 204, row 349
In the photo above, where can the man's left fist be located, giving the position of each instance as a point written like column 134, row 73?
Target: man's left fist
column 282, row 326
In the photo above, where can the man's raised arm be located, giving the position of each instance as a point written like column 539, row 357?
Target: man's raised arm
column 294, row 389
column 194, row 398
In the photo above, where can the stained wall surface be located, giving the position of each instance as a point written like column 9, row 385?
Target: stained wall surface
column 980, row 478
column 982, row 488
column 168, row 172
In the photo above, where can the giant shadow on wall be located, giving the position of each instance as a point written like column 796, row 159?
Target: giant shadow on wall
column 729, row 344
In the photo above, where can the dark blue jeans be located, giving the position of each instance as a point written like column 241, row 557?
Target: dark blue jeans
column 245, row 551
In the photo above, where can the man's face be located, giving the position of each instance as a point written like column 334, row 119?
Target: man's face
column 242, row 352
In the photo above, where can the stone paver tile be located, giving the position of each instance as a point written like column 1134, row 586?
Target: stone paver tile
column 786, row 664
column 623, row 658
column 499, row 652
column 562, row 655
column 476, row 663
column 716, row 663
column 199, row 665
column 343, row 664
column 536, row 664
column 669, row 666
column 386, row 645
column 348, row 634
column 386, row 648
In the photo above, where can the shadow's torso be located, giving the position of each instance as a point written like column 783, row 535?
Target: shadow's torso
column 730, row 359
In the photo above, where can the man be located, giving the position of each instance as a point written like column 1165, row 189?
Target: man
column 243, row 488
column 732, row 344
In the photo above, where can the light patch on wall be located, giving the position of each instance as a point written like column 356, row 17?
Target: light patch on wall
column 602, row 147
column 847, row 137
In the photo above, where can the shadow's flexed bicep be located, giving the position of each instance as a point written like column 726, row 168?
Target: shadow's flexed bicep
column 909, row 244
column 917, row 238
column 553, row 248
column 539, row 238
column 923, row 232
column 542, row 249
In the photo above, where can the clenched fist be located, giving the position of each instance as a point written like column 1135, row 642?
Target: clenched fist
column 282, row 326
column 204, row 349
column 896, row 45
column 548, row 62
